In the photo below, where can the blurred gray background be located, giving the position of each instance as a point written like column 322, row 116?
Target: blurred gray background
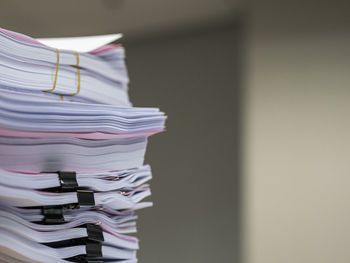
column 254, row 166
column 193, row 77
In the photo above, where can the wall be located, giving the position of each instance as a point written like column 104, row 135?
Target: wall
column 296, row 133
column 193, row 77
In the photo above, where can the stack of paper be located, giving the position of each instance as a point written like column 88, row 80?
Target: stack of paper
column 71, row 154
column 30, row 67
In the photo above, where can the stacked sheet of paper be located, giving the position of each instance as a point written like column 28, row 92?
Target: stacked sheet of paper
column 71, row 154
column 28, row 66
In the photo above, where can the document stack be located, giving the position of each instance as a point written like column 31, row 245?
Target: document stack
column 71, row 154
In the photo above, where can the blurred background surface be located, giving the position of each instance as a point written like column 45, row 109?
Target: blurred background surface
column 254, row 166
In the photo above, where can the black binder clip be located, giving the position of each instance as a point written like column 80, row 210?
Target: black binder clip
column 95, row 233
column 93, row 250
column 52, row 215
column 86, row 197
column 68, row 181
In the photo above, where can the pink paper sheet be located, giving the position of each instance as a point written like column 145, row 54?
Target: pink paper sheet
column 82, row 135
